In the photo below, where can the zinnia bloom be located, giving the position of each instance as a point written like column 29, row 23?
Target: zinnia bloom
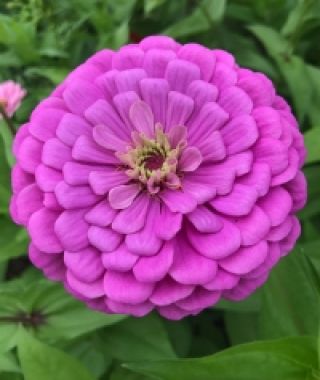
column 162, row 176
column 11, row 94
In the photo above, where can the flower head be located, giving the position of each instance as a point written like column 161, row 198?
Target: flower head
column 11, row 94
column 161, row 176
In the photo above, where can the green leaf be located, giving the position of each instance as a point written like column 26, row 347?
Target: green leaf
column 286, row 359
column 138, row 339
column 8, row 363
column 291, row 302
column 150, row 5
column 312, row 141
column 13, row 239
column 124, row 374
column 40, row 361
column 250, row 304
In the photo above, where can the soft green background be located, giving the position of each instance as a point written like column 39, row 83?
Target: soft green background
column 273, row 335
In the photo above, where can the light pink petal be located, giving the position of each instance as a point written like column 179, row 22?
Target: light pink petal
column 121, row 259
column 201, row 56
column 127, row 58
column 222, row 281
column 47, row 178
column 132, row 219
column 156, row 61
column 167, row 218
column 277, row 205
column 28, row 201
column 123, row 287
column 268, row 122
column 142, row 118
column 100, row 215
column 253, row 227
column 103, row 181
column 77, row 174
column 102, row 112
column 239, row 202
column 86, row 264
column 122, row 196
column 55, row 153
column 81, row 94
column 190, row 159
column 88, row 290
column 139, row 310
column 86, row 150
column 41, row 230
column 205, row 220
column 239, row 134
column 73, row 197
column 272, row 152
column 178, row 201
column 104, row 238
column 29, row 156
column 245, row 259
column 235, row 101
column 128, row 80
column 212, row 148
column 72, row 230
column 71, row 127
column 190, row 267
column 155, row 93
column 216, row 245
column 155, row 268
column 44, row 124
column 199, row 299
column 259, row 178
column 179, row 109
column 169, row 291
column 145, row 242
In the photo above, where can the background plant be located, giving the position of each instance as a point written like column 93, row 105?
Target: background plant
column 44, row 333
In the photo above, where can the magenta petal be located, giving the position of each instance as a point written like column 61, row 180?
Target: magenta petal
column 281, row 231
column 29, row 156
column 55, row 153
column 127, row 58
column 156, row 61
column 180, row 74
column 40, row 259
column 100, row 215
column 277, row 205
column 167, row 218
column 222, row 281
column 235, row 101
column 169, row 291
column 104, row 239
column 121, row 259
column 123, row 103
column 224, row 76
column 179, row 109
column 259, row 178
column 71, row 127
column 102, row 182
column 239, row 202
column 41, row 230
column 201, row 192
column 142, row 118
column 186, row 259
column 76, row 174
column 88, row 290
column 174, row 312
column 20, row 179
column 55, row 271
column 190, row 159
column 128, row 80
column 155, row 268
column 178, row 201
column 199, row 299
column 47, row 178
column 86, row 264
column 123, row 287
column 205, row 220
column 73, row 197
column 268, row 122
column 212, row 148
column 106, row 139
column 43, row 124
column 139, row 310
column 202, row 92
column 216, row 245
column 72, row 230
column 159, row 42
column 132, row 219
column 245, row 259
column 122, row 196
column 28, row 201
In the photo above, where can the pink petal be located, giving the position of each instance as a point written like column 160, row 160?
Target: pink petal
column 44, row 124
column 268, row 122
column 142, row 118
column 180, row 74
column 200, row 191
column 55, row 153
column 40, row 259
column 159, row 42
column 216, row 245
column 29, row 156
column 154, row 268
column 123, row 103
column 50, row 201
column 88, row 290
column 291, row 171
column 102, row 182
column 253, row 84
column 156, row 62
column 212, row 148
column 205, row 220
column 72, row 230
column 121, row 259
column 202, row 92
column 28, row 201
column 20, row 179
column 245, row 259
column 139, row 310
column 281, row 231
column 259, row 178
column 235, row 101
column 41, row 230
column 167, row 218
column 199, row 299
column 169, row 291
column 190, row 159
column 106, row 139
column 224, row 76
column 128, row 58
column 132, row 219
column 100, row 215
column 71, row 127
column 273, row 153
column 128, row 80
column 73, row 197
column 239, row 202
column 179, row 109
column 122, row 196
column 104, row 238
column 76, row 174
column 174, row 313
column 222, row 281
column 123, row 287
column 178, row 201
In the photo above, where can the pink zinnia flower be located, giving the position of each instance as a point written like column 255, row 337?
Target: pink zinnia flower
column 162, row 176
column 11, row 94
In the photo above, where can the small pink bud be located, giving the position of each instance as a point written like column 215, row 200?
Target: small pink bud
column 11, row 94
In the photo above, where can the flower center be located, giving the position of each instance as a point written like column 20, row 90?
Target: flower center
column 154, row 161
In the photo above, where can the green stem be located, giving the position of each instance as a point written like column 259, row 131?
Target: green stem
column 7, row 120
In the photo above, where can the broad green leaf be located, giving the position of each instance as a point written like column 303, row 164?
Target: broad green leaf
column 241, row 327
column 13, row 239
column 8, row 363
column 138, row 339
column 250, row 304
column 312, row 208
column 124, row 374
column 291, row 299
column 286, row 359
column 40, row 361
column 312, row 141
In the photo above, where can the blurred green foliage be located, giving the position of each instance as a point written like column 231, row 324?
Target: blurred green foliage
column 271, row 335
